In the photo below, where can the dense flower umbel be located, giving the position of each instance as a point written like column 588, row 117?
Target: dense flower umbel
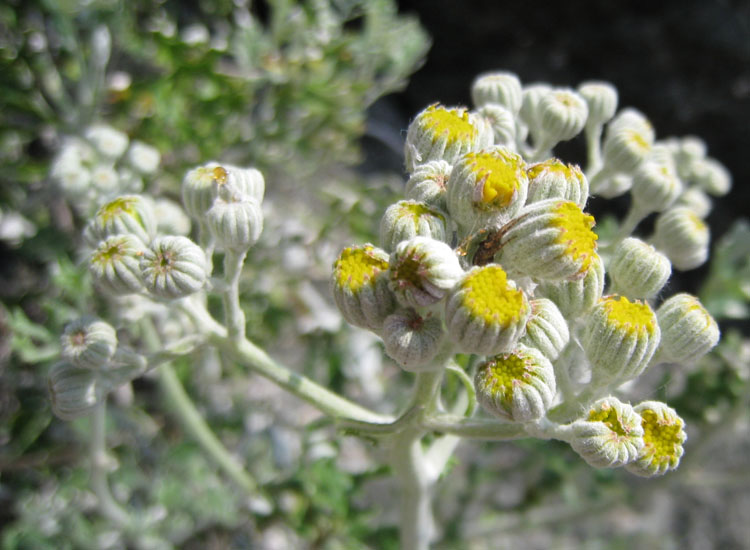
column 517, row 263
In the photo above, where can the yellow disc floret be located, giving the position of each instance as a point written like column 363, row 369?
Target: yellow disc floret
column 632, row 317
column 121, row 205
column 451, row 124
column 609, row 416
column 576, row 233
column 663, row 439
column 490, row 297
column 498, row 173
column 417, row 209
column 503, row 371
column 552, row 165
column 357, row 266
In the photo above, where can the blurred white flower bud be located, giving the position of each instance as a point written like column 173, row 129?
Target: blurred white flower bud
column 501, row 88
column 173, row 267
column 108, row 141
column 688, row 331
column 638, row 270
column 601, row 98
column 73, row 391
column 144, row 158
column 89, row 342
column 683, row 237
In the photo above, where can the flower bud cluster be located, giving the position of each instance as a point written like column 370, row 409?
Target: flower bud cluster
column 101, row 164
column 493, row 254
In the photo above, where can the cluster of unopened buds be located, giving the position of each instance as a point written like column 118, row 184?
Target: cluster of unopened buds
column 491, row 254
column 135, row 251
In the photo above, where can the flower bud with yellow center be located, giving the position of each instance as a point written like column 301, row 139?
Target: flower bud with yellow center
column 442, row 133
column 549, row 240
column 485, row 313
column 199, row 188
column 663, row 437
column 115, row 265
column 359, row 283
column 609, row 436
column 619, row 338
column 128, row 214
column 518, row 385
column 486, row 188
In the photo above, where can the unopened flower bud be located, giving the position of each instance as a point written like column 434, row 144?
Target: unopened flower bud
column 411, row 340
column 688, row 331
column 546, row 329
column 601, row 98
column 89, row 342
column 428, row 183
column 712, row 177
column 620, row 338
column 144, row 158
column 553, row 179
column 550, row 239
column 614, row 185
column 576, row 297
column 198, row 190
column 360, row 286
column 627, row 142
column 562, row 115
column 442, row 133
column 485, row 313
column 129, row 214
column 232, row 183
column 696, row 200
column 105, row 179
column 531, row 97
column 236, row 225
column 73, row 391
column 638, row 270
column 501, row 88
column 173, row 267
column 503, row 124
column 655, row 187
column 407, row 219
column 663, row 437
column 486, row 188
column 422, row 271
column 609, row 436
column 115, row 267
column 683, row 237
column 108, row 141
column 518, row 385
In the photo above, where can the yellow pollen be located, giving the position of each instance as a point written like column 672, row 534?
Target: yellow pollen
column 661, row 437
column 552, row 165
column 639, row 141
column 451, row 124
column 121, row 205
column 500, row 374
column 489, row 296
column 219, row 175
column 576, row 233
column 608, row 415
column 357, row 267
column 698, row 223
column 416, row 210
column 498, row 173
column 632, row 317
